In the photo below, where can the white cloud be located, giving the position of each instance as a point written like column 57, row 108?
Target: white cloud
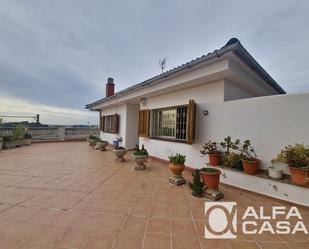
column 48, row 114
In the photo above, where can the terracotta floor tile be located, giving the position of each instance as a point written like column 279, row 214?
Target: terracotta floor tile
column 50, row 236
column 114, row 221
column 177, row 212
column 160, row 212
column 298, row 245
column 135, row 224
column 159, row 226
column 215, row 243
column 157, row 241
column 74, row 238
column 97, row 202
column 184, row 242
column 6, row 243
column 183, row 227
column 128, row 240
column 272, row 245
column 236, row 244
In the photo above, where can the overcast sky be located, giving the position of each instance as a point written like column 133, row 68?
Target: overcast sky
column 55, row 55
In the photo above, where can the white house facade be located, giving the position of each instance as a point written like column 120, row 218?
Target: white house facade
column 223, row 93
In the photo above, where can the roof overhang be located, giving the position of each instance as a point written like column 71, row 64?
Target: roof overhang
column 220, row 63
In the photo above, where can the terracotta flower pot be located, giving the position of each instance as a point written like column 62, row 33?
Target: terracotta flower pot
column 215, row 159
column 298, row 176
column 251, row 166
column 176, row 169
column 211, row 179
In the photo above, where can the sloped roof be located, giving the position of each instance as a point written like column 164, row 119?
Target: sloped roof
column 232, row 45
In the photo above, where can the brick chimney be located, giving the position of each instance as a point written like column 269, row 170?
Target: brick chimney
column 110, row 87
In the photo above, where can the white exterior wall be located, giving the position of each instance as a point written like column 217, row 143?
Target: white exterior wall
column 233, row 92
column 128, row 125
column 270, row 123
column 132, row 126
column 121, row 110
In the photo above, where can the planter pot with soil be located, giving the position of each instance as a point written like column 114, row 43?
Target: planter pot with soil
column 215, row 159
column 300, row 176
column 120, row 153
column 12, row 143
column 251, row 166
column 140, row 161
column 211, row 177
column 1, row 143
column 101, row 145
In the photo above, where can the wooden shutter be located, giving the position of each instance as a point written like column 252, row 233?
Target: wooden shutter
column 143, row 123
column 191, row 122
column 116, row 126
column 102, row 122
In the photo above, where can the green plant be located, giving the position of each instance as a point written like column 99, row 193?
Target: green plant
column 210, row 148
column 295, row 156
column 177, row 159
column 19, row 131
column 92, row 137
column 28, row 136
column 197, row 185
column 140, row 152
column 8, row 138
column 233, row 160
column 246, row 150
column 209, row 170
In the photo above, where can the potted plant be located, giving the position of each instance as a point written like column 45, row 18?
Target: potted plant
column 211, row 177
column 18, row 134
column 177, row 164
column 9, row 142
column 1, row 141
column 297, row 158
column 140, row 156
column 120, row 152
column 274, row 172
column 101, row 145
column 214, row 154
column 92, row 140
column 233, row 160
column 27, row 139
column 197, row 185
column 249, row 160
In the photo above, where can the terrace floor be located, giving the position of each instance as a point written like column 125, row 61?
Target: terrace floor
column 68, row 195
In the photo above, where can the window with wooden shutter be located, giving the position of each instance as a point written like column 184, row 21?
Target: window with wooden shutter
column 174, row 123
column 143, row 123
column 110, row 123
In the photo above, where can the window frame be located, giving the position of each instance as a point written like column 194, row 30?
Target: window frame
column 113, row 130
column 166, row 138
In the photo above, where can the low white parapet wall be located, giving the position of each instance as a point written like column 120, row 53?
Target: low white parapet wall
column 57, row 133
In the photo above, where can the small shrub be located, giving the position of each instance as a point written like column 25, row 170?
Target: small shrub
column 19, row 131
column 295, row 156
column 197, row 185
column 140, row 152
column 245, row 148
column 177, row 159
column 28, row 136
column 233, row 160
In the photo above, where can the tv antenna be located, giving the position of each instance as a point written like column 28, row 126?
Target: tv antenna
column 162, row 64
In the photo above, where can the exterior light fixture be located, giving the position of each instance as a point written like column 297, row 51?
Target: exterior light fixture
column 143, row 101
